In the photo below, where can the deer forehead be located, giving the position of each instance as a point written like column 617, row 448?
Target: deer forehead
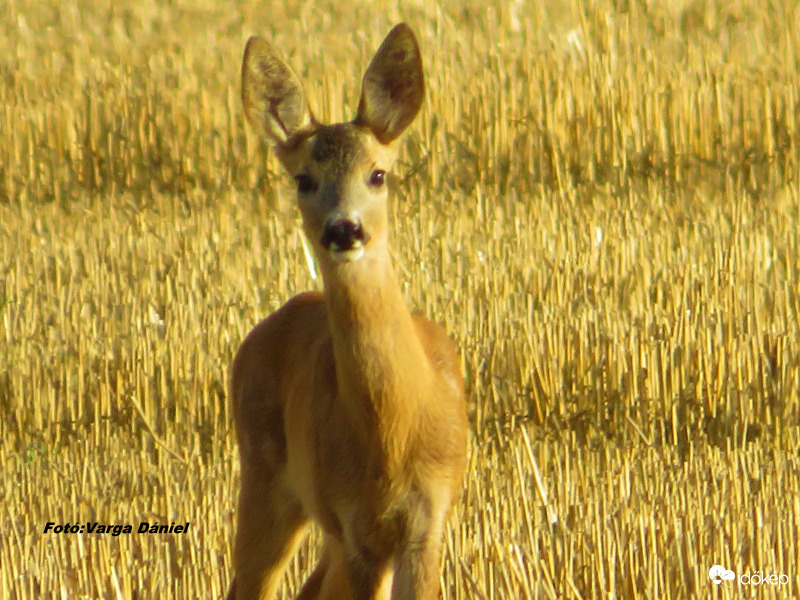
column 338, row 148
column 344, row 150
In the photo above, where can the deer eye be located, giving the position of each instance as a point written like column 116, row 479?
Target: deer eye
column 305, row 184
column 377, row 178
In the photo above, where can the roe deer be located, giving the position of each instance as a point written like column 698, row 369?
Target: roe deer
column 349, row 409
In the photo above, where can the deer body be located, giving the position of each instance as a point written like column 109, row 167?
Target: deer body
column 349, row 409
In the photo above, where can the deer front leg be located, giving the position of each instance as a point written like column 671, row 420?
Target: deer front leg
column 416, row 573
column 270, row 523
column 329, row 580
column 368, row 577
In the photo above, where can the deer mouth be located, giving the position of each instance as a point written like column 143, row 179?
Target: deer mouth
column 344, row 239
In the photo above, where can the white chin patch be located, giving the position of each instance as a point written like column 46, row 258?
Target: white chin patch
column 354, row 253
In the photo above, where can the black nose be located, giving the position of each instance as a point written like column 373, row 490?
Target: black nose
column 343, row 234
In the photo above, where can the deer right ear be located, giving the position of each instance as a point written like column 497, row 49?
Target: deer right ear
column 272, row 95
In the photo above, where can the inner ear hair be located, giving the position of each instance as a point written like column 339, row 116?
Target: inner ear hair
column 274, row 101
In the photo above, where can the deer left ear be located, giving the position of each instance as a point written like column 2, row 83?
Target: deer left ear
column 393, row 87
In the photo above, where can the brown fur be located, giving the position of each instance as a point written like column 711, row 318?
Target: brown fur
column 349, row 410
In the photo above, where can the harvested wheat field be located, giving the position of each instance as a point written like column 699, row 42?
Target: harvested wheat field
column 599, row 200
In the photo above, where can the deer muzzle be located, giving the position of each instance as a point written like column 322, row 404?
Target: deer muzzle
column 343, row 235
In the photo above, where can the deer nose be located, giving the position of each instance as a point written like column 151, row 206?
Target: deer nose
column 343, row 234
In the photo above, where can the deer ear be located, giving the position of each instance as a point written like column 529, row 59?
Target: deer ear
column 393, row 86
column 272, row 95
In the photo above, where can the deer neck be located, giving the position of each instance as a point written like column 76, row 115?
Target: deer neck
column 381, row 365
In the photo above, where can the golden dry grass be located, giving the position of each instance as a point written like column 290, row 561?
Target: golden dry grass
column 599, row 200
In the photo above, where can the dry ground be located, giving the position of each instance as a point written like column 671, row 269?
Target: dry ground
column 599, row 200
